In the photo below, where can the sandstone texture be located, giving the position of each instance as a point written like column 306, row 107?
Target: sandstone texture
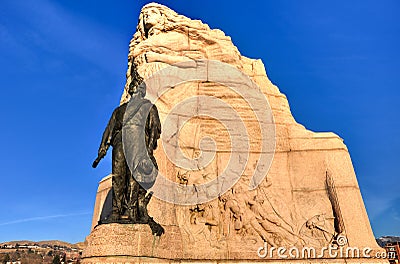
column 309, row 195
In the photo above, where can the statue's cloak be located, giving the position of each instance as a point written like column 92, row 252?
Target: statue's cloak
column 134, row 141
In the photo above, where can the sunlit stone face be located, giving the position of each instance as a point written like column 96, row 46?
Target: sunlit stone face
column 151, row 17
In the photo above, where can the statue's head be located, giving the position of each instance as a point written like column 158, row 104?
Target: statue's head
column 133, row 86
column 142, row 89
column 151, row 17
column 155, row 18
column 137, row 88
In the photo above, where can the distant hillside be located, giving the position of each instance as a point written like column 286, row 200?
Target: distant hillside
column 59, row 243
column 382, row 241
column 42, row 252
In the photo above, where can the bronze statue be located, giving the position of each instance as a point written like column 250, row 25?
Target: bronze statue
column 137, row 124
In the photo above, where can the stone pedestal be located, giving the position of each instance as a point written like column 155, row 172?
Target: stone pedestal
column 127, row 243
column 134, row 244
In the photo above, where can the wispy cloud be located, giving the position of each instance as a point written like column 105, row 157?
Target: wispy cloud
column 379, row 205
column 44, row 24
column 396, row 216
column 386, row 220
column 40, row 218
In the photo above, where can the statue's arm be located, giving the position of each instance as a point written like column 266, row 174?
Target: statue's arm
column 107, row 134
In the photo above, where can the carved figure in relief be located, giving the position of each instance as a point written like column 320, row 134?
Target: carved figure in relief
column 151, row 21
column 244, row 220
column 281, row 231
column 251, row 216
column 317, row 231
column 200, row 223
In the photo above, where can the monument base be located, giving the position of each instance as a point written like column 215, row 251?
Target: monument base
column 128, row 241
column 133, row 243
column 142, row 260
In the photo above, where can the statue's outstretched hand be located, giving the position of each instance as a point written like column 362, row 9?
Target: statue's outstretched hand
column 101, row 154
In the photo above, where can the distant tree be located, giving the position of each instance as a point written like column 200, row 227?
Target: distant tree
column 6, row 258
column 50, row 253
column 16, row 256
column 64, row 258
column 32, row 259
column 56, row 259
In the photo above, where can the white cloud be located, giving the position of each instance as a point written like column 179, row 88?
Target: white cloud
column 378, row 205
column 49, row 26
column 40, row 218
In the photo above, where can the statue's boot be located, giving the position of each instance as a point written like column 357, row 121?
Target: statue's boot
column 156, row 228
column 143, row 201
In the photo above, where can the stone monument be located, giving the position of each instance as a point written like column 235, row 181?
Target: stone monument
column 239, row 180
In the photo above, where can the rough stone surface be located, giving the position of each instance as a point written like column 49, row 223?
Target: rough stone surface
column 309, row 195
column 128, row 240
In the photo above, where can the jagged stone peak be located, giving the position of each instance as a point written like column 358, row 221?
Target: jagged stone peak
column 169, row 21
column 163, row 37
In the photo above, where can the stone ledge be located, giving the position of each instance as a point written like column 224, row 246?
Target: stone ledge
column 132, row 240
column 128, row 244
column 143, row 260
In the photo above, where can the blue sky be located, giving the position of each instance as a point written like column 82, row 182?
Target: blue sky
column 63, row 66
